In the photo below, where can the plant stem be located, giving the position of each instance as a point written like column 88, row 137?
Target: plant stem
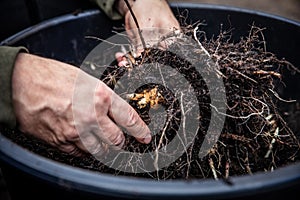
column 136, row 23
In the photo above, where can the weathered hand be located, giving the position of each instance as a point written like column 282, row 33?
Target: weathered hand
column 46, row 107
column 154, row 17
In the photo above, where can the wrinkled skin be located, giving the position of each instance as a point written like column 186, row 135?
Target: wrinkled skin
column 155, row 18
column 150, row 14
column 43, row 94
column 43, row 102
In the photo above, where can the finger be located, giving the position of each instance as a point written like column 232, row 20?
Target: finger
column 136, row 41
column 90, row 143
column 119, row 56
column 121, row 59
column 71, row 149
column 124, row 115
column 104, row 128
column 109, row 133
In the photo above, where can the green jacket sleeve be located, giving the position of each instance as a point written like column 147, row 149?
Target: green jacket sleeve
column 7, row 60
column 107, row 6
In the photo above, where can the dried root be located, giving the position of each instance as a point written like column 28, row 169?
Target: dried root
column 255, row 137
column 256, row 134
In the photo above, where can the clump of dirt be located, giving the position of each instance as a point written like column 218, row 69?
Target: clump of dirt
column 259, row 128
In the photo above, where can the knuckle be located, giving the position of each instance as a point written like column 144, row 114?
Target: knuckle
column 71, row 135
column 117, row 139
column 133, row 118
column 95, row 148
column 135, row 125
column 102, row 97
column 89, row 140
column 101, row 151
column 91, row 143
column 69, row 149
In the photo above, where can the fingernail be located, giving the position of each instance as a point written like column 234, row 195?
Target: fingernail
column 119, row 56
column 147, row 139
column 122, row 63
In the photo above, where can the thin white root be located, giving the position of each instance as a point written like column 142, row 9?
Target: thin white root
column 212, row 167
column 199, row 43
column 272, row 142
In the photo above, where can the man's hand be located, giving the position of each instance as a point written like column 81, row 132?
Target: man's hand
column 43, row 98
column 150, row 14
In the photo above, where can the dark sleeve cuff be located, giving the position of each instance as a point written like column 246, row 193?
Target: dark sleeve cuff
column 107, row 6
column 7, row 61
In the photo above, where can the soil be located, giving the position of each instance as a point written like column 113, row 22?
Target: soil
column 259, row 132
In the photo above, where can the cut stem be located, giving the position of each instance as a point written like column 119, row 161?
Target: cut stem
column 136, row 23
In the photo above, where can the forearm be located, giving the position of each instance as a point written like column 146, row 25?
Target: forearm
column 7, row 60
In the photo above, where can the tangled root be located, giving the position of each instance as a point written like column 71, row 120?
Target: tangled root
column 256, row 135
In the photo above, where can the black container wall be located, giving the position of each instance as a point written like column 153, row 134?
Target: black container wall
column 19, row 14
column 30, row 176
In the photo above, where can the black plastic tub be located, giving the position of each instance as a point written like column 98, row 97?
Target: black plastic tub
column 30, row 176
